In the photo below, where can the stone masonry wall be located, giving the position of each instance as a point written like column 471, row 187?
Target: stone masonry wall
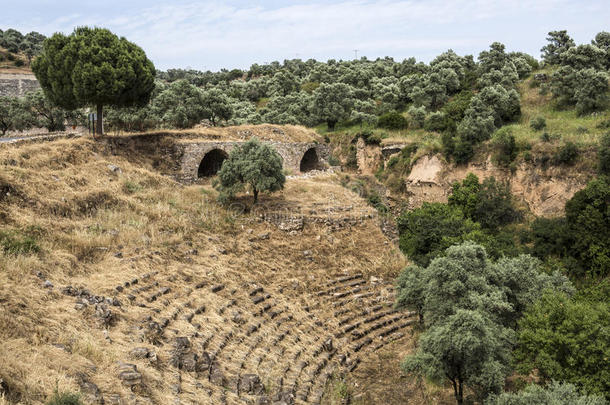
column 292, row 153
column 181, row 159
column 17, row 84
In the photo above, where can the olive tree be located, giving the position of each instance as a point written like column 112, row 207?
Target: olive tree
column 180, row 105
column 254, row 165
column 14, row 115
column 332, row 103
column 94, row 67
column 470, row 305
column 216, row 106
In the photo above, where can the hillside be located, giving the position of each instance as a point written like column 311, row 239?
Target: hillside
column 106, row 262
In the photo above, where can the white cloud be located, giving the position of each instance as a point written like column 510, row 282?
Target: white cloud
column 217, row 33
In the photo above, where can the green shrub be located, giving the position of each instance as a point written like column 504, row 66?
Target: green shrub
column 489, row 203
column 603, row 154
column 131, row 187
column 505, row 145
column 392, row 120
column 545, row 137
column 352, row 159
column 370, row 138
column 457, row 106
column 435, row 122
column 538, row 123
column 580, row 130
column 463, row 150
column 418, row 116
column 605, row 124
column 333, row 161
column 19, row 63
column 14, row 244
column 65, row 398
column 374, row 199
column 567, row 154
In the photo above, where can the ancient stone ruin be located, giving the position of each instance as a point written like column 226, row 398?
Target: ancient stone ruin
column 17, row 84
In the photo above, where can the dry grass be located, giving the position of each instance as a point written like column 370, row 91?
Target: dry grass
column 267, row 132
column 82, row 214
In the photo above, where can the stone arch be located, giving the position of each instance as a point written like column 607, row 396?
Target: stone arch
column 310, row 160
column 211, row 163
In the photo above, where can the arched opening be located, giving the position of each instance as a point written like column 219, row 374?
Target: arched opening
column 211, row 163
column 310, row 161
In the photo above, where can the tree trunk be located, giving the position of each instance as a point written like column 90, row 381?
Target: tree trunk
column 331, row 125
column 99, row 129
column 255, row 192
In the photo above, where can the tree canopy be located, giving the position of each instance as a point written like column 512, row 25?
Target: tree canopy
column 94, row 67
column 252, row 164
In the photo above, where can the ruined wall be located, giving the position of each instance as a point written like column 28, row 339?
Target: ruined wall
column 17, row 84
column 291, row 153
column 180, row 159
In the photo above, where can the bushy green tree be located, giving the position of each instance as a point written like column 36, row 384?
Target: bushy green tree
column 14, row 115
column 392, row 120
column 469, row 305
column 332, row 103
column 493, row 59
column 254, row 165
column 468, row 350
column 216, row 106
column 558, row 43
column 180, row 105
column 585, row 56
column 554, row 394
column 427, row 231
column 602, row 41
column 505, row 146
column 45, row 114
column 586, row 89
column 435, row 122
column 418, row 116
column 489, row 203
column 567, row 340
column 94, row 67
column 588, row 219
column 410, row 287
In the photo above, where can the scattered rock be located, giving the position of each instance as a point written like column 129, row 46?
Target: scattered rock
column 216, row 375
column 328, row 345
column 251, row 384
column 47, row 284
column 104, row 315
column 93, row 395
column 129, row 375
column 115, row 169
column 263, row 236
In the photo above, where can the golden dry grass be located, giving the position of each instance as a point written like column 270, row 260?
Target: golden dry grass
column 267, row 132
column 82, row 214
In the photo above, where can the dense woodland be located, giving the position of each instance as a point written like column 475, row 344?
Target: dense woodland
column 500, row 294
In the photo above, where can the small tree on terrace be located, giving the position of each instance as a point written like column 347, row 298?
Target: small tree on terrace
column 94, row 67
column 252, row 164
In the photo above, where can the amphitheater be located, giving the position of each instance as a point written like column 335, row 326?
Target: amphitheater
column 152, row 293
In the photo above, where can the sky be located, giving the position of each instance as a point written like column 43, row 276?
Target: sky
column 210, row 35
